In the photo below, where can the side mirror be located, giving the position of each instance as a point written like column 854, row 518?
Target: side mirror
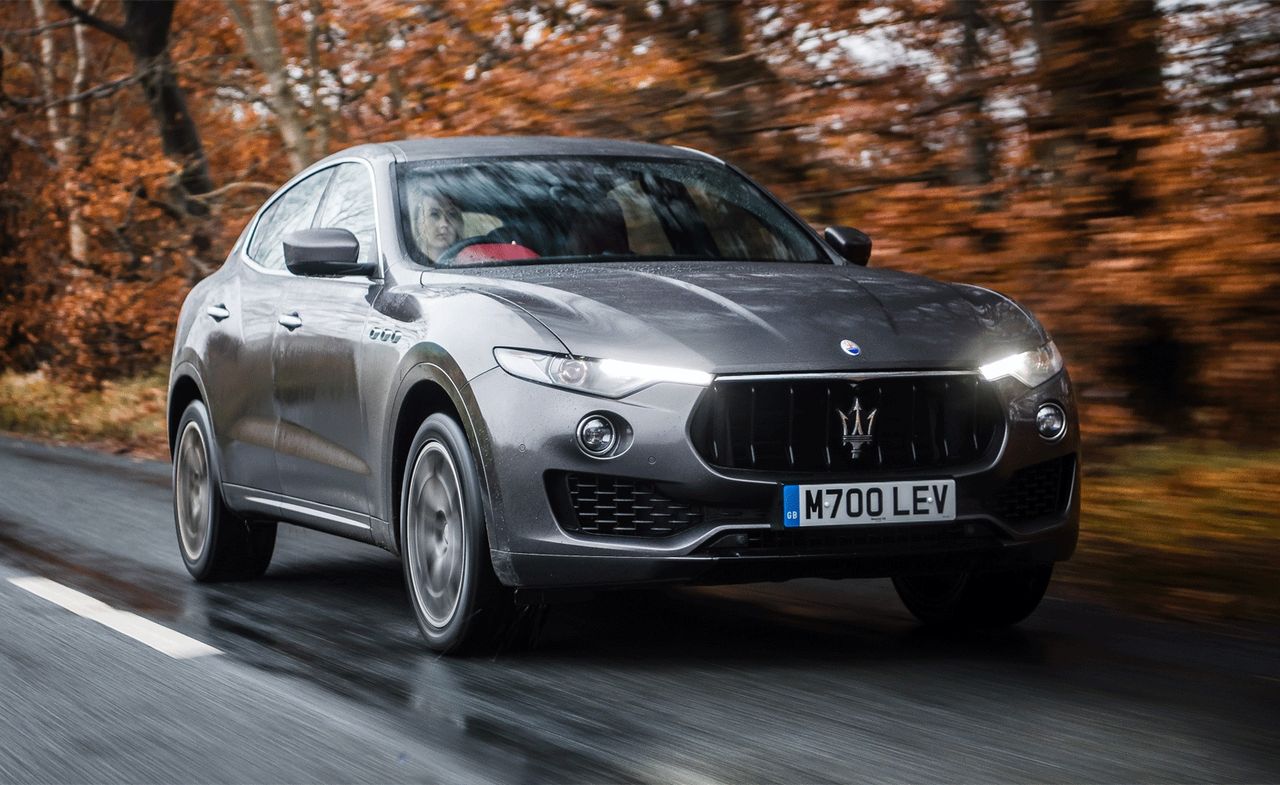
column 324, row 252
column 852, row 244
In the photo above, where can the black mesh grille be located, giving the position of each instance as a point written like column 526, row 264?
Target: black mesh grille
column 800, row 425
column 618, row 505
column 1036, row 491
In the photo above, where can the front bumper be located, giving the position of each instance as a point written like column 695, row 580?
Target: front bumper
column 527, row 435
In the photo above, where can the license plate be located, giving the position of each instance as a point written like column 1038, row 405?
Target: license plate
column 868, row 502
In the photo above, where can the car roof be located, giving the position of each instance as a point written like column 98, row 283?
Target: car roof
column 507, row 146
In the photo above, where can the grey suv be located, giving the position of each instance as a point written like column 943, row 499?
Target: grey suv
column 569, row 363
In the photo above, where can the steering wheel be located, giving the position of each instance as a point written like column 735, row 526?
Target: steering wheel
column 447, row 255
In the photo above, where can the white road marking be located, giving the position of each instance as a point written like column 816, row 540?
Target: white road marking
column 158, row 637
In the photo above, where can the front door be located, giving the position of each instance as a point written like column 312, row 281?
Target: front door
column 322, row 449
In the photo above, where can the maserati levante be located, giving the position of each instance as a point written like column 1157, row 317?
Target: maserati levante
column 532, row 364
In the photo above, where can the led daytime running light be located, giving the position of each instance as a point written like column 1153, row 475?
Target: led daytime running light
column 604, row 377
column 1032, row 368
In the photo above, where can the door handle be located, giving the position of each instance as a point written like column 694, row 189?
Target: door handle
column 290, row 321
column 218, row 312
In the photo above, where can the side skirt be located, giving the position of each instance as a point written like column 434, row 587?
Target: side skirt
column 254, row 503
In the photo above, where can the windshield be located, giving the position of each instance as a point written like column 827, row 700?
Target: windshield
column 549, row 210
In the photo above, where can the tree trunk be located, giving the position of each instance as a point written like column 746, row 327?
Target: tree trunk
column 978, row 168
column 1101, row 65
column 743, row 90
column 66, row 137
column 317, row 28
column 261, row 40
column 148, row 26
column 731, row 67
column 979, row 144
column 146, row 32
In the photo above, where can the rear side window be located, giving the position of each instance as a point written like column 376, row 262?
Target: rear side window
column 289, row 213
column 349, row 205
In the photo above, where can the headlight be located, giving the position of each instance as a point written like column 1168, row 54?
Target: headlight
column 609, row 378
column 1032, row 368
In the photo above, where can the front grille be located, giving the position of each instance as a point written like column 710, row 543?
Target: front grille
column 1036, row 491
column 601, row 504
column 795, row 425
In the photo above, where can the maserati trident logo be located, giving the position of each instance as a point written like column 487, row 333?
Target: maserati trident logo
column 855, row 431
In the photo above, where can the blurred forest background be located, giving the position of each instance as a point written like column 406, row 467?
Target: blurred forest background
column 1113, row 164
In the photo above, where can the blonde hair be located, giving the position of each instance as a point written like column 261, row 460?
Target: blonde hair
column 423, row 196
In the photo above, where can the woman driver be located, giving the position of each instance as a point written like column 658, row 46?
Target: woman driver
column 439, row 224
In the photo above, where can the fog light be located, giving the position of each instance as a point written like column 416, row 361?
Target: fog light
column 1051, row 421
column 596, row 435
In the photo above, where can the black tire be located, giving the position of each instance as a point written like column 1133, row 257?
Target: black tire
column 974, row 599
column 442, row 529
column 215, row 543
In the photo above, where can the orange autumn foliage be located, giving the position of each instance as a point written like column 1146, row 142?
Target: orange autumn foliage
column 1114, row 166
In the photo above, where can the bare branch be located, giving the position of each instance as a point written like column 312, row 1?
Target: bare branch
column 96, row 22
column 98, row 91
column 932, row 176
column 39, row 29
column 701, row 97
column 107, row 88
column 242, row 185
column 35, row 145
column 859, row 189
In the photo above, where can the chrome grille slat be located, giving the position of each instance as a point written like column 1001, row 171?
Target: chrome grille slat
column 787, row 425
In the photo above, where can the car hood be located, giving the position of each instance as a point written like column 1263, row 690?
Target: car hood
column 728, row 317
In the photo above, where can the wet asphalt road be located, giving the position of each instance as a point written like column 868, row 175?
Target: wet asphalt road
column 323, row 678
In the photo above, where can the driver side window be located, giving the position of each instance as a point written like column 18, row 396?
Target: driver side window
column 289, row 213
column 349, row 205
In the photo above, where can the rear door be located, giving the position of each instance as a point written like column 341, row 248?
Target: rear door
column 322, row 447
column 240, row 371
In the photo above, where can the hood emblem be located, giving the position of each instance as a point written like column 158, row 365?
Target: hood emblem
column 850, row 348
column 855, row 431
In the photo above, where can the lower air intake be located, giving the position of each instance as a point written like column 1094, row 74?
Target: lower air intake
column 1037, row 491
column 602, row 504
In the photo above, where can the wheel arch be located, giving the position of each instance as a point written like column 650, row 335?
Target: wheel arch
column 425, row 390
column 185, row 386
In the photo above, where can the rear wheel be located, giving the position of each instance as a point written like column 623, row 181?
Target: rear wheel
column 215, row 543
column 457, row 599
column 974, row 599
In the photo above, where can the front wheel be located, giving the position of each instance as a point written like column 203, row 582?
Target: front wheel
column 974, row 599
column 457, row 599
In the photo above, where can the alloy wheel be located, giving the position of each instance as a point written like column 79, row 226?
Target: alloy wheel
column 194, row 491
column 436, row 534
